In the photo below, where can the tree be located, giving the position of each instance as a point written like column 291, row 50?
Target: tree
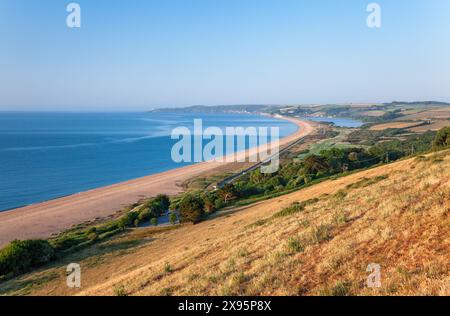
column 123, row 223
column 155, row 207
column 144, row 215
column 191, row 208
column 218, row 204
column 127, row 220
column 19, row 256
column 209, row 199
column 163, row 200
column 442, row 139
column 257, row 177
column 173, row 218
column 154, row 221
column 228, row 193
column 353, row 156
column 314, row 164
column 174, row 205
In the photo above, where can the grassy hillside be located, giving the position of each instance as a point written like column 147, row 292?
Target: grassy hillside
column 316, row 241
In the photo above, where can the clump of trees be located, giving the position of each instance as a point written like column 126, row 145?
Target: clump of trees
column 153, row 208
column 20, row 256
column 442, row 139
column 191, row 208
column 334, row 161
column 388, row 116
column 147, row 212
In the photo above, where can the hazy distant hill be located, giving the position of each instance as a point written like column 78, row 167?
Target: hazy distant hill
column 252, row 108
column 257, row 108
column 419, row 103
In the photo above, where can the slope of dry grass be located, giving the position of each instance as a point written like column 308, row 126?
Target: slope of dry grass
column 396, row 216
column 434, row 126
column 384, row 126
column 439, row 113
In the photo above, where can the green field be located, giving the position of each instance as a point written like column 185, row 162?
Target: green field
column 336, row 142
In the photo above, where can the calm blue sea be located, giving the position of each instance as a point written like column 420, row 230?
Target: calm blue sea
column 338, row 121
column 48, row 155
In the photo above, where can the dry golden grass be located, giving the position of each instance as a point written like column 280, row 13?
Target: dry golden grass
column 375, row 113
column 397, row 216
column 384, row 126
column 434, row 126
column 440, row 113
column 411, row 111
column 362, row 105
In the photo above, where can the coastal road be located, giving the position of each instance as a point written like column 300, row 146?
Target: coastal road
column 259, row 164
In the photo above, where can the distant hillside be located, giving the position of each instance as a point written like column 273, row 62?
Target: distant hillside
column 329, row 109
column 255, row 108
column 418, row 103
column 316, row 241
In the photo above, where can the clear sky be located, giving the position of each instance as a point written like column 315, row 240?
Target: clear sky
column 140, row 54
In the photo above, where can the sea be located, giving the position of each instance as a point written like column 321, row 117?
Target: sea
column 44, row 156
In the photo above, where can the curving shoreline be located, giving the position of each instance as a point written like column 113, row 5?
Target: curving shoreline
column 44, row 219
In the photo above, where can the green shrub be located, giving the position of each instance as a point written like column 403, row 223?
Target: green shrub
column 340, row 218
column 66, row 242
column 442, row 139
column 91, row 230
column 127, row 220
column 144, row 215
column 110, row 233
column 191, row 208
column 365, row 182
column 210, row 198
column 243, row 252
column 120, row 291
column 154, row 221
column 92, row 236
column 173, row 218
column 162, row 200
column 20, row 256
column 339, row 289
column 294, row 208
column 155, row 207
column 294, row 245
column 421, row 158
column 218, row 204
column 167, row 268
column 174, row 205
column 340, row 195
column 311, row 201
column 321, row 234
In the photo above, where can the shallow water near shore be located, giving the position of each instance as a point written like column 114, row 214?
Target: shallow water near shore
column 49, row 155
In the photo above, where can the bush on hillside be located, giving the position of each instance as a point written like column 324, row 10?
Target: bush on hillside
column 191, row 208
column 163, row 200
column 19, row 256
column 442, row 139
column 173, row 218
column 127, row 220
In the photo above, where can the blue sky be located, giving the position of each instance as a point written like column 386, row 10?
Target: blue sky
column 140, row 54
